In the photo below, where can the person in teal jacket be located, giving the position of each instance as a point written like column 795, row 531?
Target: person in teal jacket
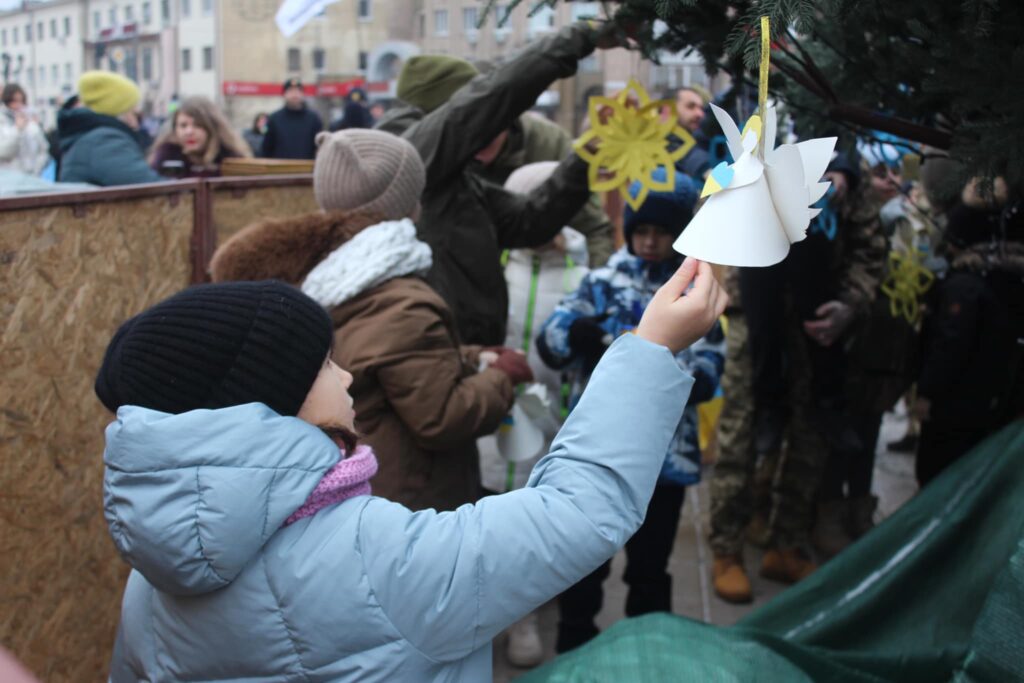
column 99, row 142
column 235, row 491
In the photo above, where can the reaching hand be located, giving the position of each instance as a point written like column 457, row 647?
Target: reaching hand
column 676, row 318
column 834, row 317
column 513, row 364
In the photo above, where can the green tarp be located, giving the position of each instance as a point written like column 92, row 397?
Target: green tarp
column 935, row 593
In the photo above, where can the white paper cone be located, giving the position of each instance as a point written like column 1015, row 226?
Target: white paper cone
column 520, row 439
column 722, row 232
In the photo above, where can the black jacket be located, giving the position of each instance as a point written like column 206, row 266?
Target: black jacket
column 291, row 134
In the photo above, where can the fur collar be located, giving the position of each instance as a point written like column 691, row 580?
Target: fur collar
column 286, row 249
column 377, row 254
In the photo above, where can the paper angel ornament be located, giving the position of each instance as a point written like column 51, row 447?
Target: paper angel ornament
column 760, row 204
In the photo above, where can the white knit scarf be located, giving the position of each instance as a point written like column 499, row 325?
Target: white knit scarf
column 377, row 254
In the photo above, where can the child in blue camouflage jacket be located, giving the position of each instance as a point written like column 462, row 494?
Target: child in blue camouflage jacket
column 608, row 303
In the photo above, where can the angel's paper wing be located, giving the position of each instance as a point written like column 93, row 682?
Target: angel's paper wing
column 732, row 132
column 789, row 191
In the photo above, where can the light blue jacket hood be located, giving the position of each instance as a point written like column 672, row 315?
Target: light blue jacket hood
column 190, row 500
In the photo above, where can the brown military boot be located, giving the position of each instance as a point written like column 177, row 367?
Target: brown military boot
column 730, row 579
column 787, row 566
column 829, row 535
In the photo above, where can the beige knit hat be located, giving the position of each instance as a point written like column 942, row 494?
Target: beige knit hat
column 368, row 171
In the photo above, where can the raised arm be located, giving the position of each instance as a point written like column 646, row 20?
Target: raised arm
column 534, row 219
column 457, row 578
column 449, row 137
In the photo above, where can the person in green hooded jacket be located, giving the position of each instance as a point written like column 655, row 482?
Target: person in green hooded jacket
column 453, row 113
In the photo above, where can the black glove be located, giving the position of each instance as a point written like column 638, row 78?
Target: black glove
column 588, row 340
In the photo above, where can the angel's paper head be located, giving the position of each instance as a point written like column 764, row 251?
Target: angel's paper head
column 667, row 211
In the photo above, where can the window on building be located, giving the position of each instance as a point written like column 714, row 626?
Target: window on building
column 186, row 8
column 40, row 33
column 112, row 12
column 207, row 7
column 3, row 37
column 67, row 26
column 42, row 75
column 31, row 76
column 147, row 63
column 441, row 22
column 186, row 59
column 470, row 17
column 319, row 58
column 55, row 74
column 501, row 19
column 207, row 59
column 147, row 13
column 129, row 14
column 364, row 61
column 14, row 35
column 53, row 28
column 165, row 11
column 294, row 59
column 97, row 20
column 28, row 33
column 422, row 30
column 69, row 76
column 543, row 20
column 365, row 9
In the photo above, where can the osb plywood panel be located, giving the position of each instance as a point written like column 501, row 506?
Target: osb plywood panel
column 235, row 209
column 66, row 283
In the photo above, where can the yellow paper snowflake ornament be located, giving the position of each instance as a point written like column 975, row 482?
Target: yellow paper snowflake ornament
column 907, row 281
column 633, row 141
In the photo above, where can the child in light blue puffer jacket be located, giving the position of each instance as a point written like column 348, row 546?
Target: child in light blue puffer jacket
column 236, row 490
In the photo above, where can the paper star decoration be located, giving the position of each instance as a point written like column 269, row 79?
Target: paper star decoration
column 906, row 282
column 632, row 143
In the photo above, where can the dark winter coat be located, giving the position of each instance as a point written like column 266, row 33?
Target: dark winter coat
column 533, row 138
column 419, row 400
column 291, row 134
column 468, row 221
column 100, row 149
column 973, row 370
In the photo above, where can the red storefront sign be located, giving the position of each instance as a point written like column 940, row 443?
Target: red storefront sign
column 255, row 89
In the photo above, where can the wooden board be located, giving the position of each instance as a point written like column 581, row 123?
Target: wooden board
column 234, row 208
column 69, row 275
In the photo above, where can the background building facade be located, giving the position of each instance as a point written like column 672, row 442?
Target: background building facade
column 232, row 51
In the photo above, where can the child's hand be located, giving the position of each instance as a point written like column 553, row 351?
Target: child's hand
column 676, row 318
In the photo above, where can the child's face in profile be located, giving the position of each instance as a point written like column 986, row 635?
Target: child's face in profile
column 652, row 242
column 328, row 403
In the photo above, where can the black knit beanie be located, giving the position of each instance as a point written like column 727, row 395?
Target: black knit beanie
column 220, row 345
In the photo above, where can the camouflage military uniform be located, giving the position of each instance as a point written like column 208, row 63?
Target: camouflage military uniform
column 860, row 258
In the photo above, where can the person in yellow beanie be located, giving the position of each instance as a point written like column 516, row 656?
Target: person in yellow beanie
column 99, row 140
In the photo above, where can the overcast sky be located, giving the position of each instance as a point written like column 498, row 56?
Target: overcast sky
column 9, row 4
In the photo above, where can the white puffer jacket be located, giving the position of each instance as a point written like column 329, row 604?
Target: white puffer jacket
column 543, row 277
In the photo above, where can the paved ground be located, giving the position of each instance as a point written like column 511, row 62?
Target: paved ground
column 691, row 559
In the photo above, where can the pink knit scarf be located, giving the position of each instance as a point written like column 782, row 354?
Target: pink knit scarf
column 349, row 478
